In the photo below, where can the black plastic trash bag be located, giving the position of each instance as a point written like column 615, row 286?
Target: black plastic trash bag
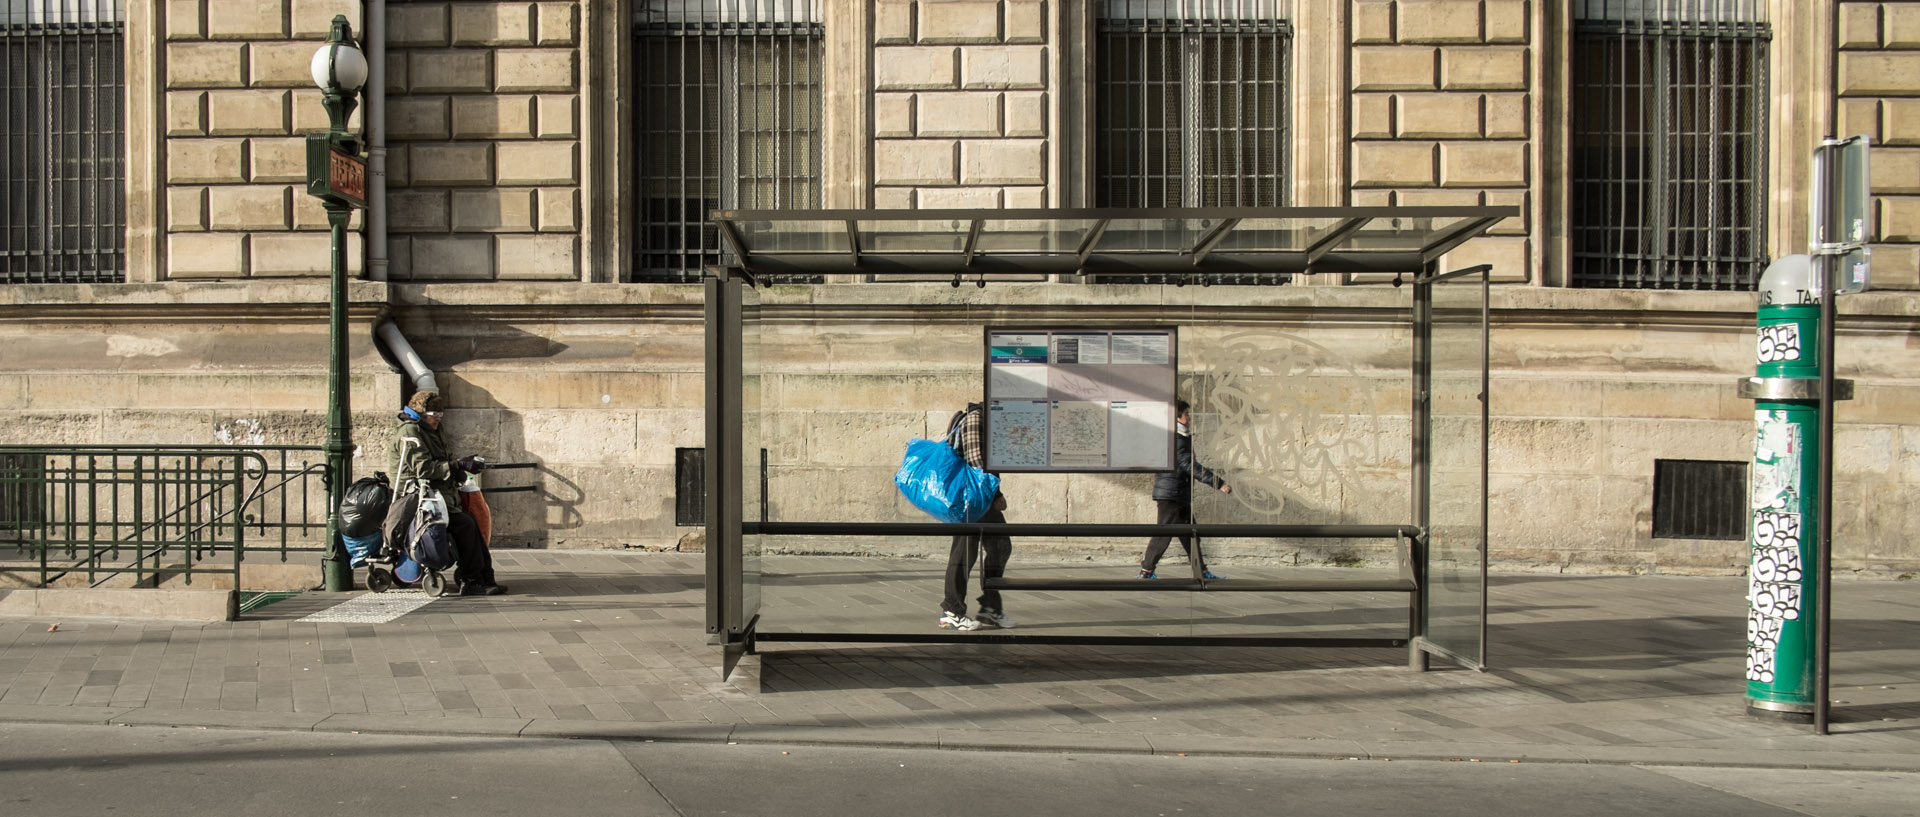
column 365, row 505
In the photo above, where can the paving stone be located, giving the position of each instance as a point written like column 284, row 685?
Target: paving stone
column 612, row 644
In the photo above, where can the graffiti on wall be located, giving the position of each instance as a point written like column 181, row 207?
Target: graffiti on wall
column 1773, row 576
column 1288, row 420
column 240, row 431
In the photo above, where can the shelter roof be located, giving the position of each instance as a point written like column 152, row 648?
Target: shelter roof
column 1199, row 241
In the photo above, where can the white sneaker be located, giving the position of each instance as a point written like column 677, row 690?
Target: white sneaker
column 994, row 618
column 957, row 621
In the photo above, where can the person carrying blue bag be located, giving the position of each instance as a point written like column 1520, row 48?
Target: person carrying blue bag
column 965, row 435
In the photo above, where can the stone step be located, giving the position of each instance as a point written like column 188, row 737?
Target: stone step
column 20, row 569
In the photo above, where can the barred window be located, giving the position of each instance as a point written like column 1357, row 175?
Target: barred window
column 728, row 118
column 1191, row 105
column 62, row 142
column 1669, row 144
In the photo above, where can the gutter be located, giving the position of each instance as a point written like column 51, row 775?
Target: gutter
column 399, row 354
column 373, row 22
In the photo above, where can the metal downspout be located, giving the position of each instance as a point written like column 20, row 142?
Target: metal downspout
column 400, row 354
column 374, row 30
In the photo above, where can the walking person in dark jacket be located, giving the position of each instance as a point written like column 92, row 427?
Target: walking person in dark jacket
column 1172, row 492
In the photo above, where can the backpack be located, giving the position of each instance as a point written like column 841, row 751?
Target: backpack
column 428, row 540
column 365, row 506
column 399, row 523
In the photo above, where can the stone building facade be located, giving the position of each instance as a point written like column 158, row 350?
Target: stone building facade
column 513, row 167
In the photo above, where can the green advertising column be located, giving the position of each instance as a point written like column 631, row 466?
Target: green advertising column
column 1780, row 587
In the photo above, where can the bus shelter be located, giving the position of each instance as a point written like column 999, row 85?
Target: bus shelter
column 1387, row 413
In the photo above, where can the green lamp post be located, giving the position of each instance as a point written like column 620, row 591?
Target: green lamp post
column 337, row 176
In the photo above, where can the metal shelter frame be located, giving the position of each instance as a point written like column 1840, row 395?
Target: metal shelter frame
column 1198, row 242
column 1190, row 244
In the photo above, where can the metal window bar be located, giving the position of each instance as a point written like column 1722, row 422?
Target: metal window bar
column 689, row 486
column 729, row 116
column 61, row 142
column 1191, row 109
column 1700, row 499
column 1669, row 131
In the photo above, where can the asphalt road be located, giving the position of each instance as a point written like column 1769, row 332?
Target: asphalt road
column 51, row 771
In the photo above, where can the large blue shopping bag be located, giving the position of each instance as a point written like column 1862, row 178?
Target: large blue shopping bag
column 936, row 480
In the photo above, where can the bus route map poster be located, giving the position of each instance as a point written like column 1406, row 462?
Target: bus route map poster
column 1079, row 399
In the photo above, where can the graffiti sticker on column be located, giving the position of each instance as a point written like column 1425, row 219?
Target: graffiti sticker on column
column 1759, row 666
column 1763, row 632
column 1772, row 530
column 1779, row 343
column 1777, row 602
column 1763, row 643
column 1773, row 588
column 1778, row 565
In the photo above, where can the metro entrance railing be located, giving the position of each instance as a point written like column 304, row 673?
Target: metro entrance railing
column 91, row 515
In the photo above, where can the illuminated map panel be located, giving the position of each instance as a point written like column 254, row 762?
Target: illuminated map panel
column 1078, row 399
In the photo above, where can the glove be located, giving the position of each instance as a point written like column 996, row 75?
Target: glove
column 456, row 473
column 473, row 464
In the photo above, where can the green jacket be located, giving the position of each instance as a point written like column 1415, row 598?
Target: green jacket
column 419, row 453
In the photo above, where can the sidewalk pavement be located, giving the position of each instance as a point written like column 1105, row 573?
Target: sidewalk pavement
column 612, row 645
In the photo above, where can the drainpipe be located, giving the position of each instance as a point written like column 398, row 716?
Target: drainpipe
column 399, row 354
column 373, row 25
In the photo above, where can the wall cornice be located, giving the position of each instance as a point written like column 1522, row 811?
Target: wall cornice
column 998, row 302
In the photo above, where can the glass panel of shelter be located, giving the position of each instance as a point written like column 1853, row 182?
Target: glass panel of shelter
column 1290, row 416
column 1312, row 393
column 1455, row 610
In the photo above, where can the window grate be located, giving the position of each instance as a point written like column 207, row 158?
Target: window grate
column 1699, row 499
column 728, row 118
column 689, row 486
column 1191, row 108
column 1669, row 164
column 62, row 136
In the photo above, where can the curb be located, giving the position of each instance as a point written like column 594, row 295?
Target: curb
column 148, row 604
column 960, row 740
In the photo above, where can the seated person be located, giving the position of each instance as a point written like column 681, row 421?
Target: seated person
column 419, row 453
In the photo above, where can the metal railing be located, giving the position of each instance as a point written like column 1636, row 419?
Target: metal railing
column 93, row 514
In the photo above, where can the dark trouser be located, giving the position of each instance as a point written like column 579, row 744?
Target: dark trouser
column 476, row 562
column 1172, row 512
column 960, row 563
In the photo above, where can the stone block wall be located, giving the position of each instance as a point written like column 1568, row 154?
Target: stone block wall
column 1879, row 90
column 484, row 164
column 960, row 96
column 598, row 391
column 484, row 130
column 1439, row 102
column 1442, row 99
column 238, row 96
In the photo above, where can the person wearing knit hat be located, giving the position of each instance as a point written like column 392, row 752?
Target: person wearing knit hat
column 426, row 400
column 419, row 453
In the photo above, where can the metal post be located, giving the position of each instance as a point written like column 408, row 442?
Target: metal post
column 336, row 569
column 1422, row 487
column 1823, row 543
column 337, row 176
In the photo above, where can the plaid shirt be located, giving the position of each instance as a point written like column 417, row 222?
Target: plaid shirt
column 967, row 441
